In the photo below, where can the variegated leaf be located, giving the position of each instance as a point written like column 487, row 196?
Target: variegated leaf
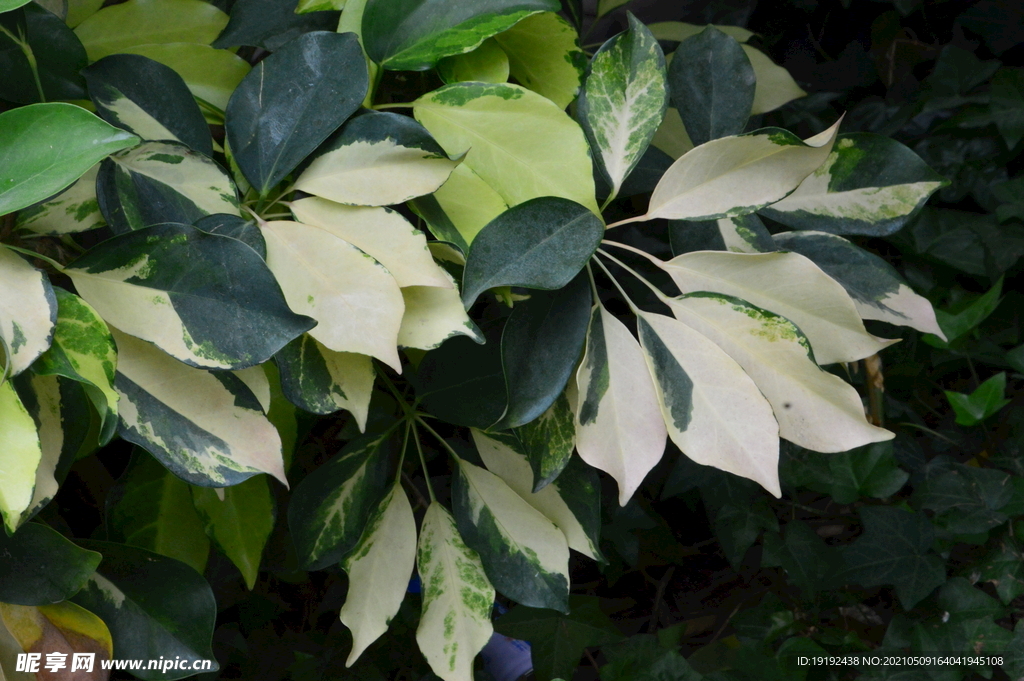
column 208, row 300
column 378, row 571
column 83, row 350
column 73, row 210
column 623, row 100
column 869, row 184
column 502, row 454
column 742, row 234
column 814, row 408
column 775, row 86
column 455, row 623
column 382, row 233
column 789, row 285
column 433, row 315
column 548, row 441
column 20, row 454
column 58, row 628
column 205, row 427
column 525, row 555
column 619, row 428
column 323, row 381
column 877, row 289
column 28, row 313
column 42, row 398
column 377, row 159
column 255, row 378
column 714, row 412
column 354, row 299
column 329, row 508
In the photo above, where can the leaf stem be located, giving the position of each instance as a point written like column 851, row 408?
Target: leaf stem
column 618, row 244
column 657, row 292
column 423, row 460
column 32, row 254
column 607, row 201
column 30, row 57
column 639, row 218
column 393, row 106
column 628, row 300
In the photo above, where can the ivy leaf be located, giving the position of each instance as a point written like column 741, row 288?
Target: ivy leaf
column 957, row 324
column 1008, row 104
column 869, row 471
column 35, row 43
column 323, row 381
column 46, row 147
column 148, row 99
column 557, row 640
column 623, row 101
column 412, row 35
column 330, row 508
column 544, row 55
column 895, row 549
column 118, row 28
column 206, row 299
column 985, row 401
column 130, row 592
column 542, row 243
column 1004, row 567
column 40, row 566
column 966, row 499
column 291, row 102
column 712, row 85
column 271, row 24
column 805, row 557
column 642, row 658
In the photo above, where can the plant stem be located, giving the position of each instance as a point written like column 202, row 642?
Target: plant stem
column 633, row 249
column 393, row 106
column 657, row 292
column 30, row 57
column 639, row 218
column 423, row 460
column 32, row 254
column 611, row 197
column 628, row 300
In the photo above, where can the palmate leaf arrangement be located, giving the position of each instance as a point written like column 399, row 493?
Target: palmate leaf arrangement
column 231, row 281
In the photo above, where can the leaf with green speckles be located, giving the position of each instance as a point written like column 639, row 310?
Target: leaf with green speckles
column 206, row 427
column 815, row 409
column 377, row 159
column 548, row 441
column 433, row 315
column 877, row 289
column 20, row 454
column 544, row 55
column 713, row 410
column 524, row 553
column 789, row 285
column 580, row 522
column 208, row 300
column 455, row 623
column 869, row 184
column 734, row 176
column 741, row 234
column 486, row 64
column 152, row 509
column 239, row 520
column 73, row 210
column 323, row 381
column 412, row 35
column 518, row 142
column 619, row 428
column 160, row 182
column 148, row 99
column 623, row 100
column 378, row 570
column 28, row 312
column 329, row 509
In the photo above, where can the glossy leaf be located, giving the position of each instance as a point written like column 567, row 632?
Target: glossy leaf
column 354, row 299
column 486, row 64
column 463, row 382
column 146, row 619
column 117, row 28
column 518, row 142
column 270, row 24
column 206, row 428
column 955, row 325
column 623, row 100
column 330, row 508
column 323, row 381
column 73, row 210
column 524, row 554
column 239, row 520
column 544, row 55
column 208, row 300
column 457, row 598
column 235, row 227
column 712, row 85
column 211, row 74
column 548, row 441
column 148, row 99
column 291, row 102
column 542, row 244
column 40, row 566
column 985, row 401
column 46, row 147
column 28, row 312
column 378, row 571
column 619, row 428
column 412, row 35
column 818, row 305
column 40, row 57
column 869, row 184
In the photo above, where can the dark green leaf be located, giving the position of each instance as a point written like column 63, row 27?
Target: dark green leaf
column 291, row 102
column 895, row 549
column 969, row 316
column 542, row 243
column 235, row 227
column 548, row 442
column 557, row 641
column 966, row 499
column 39, row 566
column 957, row 72
column 1008, row 104
column 808, row 561
column 148, row 99
column 1000, row 23
column 743, row 234
column 1014, row 663
column 965, row 602
column 270, row 24
column 35, row 42
column 971, row 242
column 330, row 507
column 462, row 382
column 239, row 520
column 154, row 606
column 869, row 471
column 1004, row 567
column 641, row 658
column 711, row 83
column 412, row 35
column 540, row 347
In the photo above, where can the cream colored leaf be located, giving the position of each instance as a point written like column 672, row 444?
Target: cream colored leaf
column 20, row 454
column 28, row 312
column 73, row 210
column 432, row 315
column 774, row 86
